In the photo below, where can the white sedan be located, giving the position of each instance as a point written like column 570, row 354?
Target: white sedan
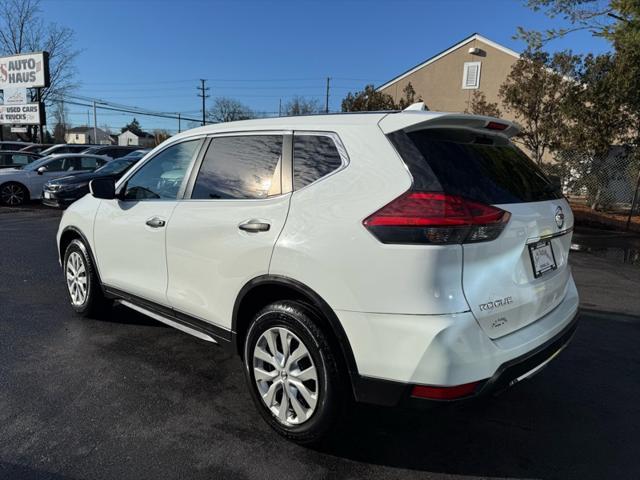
column 18, row 185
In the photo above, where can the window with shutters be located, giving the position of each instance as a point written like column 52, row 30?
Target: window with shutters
column 471, row 75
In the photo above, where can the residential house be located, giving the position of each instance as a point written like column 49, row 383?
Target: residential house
column 144, row 140
column 446, row 81
column 87, row 136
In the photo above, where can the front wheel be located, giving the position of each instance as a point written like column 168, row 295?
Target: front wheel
column 85, row 292
column 13, row 194
column 292, row 372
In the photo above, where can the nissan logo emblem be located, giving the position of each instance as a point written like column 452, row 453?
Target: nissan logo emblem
column 559, row 217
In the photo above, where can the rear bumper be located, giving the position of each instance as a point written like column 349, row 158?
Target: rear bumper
column 395, row 354
column 389, row 393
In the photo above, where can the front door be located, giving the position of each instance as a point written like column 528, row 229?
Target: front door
column 130, row 231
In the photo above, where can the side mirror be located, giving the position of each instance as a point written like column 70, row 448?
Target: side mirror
column 104, row 188
column 41, row 170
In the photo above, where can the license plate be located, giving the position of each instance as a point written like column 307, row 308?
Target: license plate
column 47, row 195
column 542, row 258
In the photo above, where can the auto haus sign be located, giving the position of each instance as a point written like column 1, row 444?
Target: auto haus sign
column 30, row 70
column 27, row 114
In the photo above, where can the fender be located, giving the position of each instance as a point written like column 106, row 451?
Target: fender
column 317, row 302
column 85, row 247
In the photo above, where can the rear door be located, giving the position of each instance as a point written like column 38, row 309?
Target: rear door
column 223, row 233
column 523, row 274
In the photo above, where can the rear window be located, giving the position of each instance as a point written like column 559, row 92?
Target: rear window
column 486, row 168
column 314, row 156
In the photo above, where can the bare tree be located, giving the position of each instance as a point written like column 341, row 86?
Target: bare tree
column 301, row 106
column 229, row 110
column 23, row 30
column 160, row 135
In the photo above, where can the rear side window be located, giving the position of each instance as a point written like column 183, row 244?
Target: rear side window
column 21, row 159
column 486, row 168
column 243, row 167
column 314, row 156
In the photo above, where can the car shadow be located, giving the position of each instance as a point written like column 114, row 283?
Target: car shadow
column 577, row 419
column 123, row 315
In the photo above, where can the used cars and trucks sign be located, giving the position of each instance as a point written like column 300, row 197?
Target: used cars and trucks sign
column 27, row 114
column 30, row 70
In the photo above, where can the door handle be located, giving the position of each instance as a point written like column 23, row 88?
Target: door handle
column 254, row 226
column 156, row 222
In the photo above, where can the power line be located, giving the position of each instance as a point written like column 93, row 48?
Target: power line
column 134, row 110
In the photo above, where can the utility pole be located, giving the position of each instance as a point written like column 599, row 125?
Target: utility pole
column 95, row 124
column 204, row 96
column 179, row 124
column 326, row 103
column 280, row 108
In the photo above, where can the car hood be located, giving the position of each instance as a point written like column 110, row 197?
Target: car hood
column 79, row 178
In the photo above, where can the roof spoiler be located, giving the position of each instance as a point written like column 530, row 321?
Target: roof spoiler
column 414, row 119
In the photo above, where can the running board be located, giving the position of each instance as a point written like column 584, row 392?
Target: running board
column 165, row 320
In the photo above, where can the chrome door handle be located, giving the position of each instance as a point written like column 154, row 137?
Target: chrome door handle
column 156, row 222
column 254, row 226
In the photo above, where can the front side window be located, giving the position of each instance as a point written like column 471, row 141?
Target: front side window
column 162, row 176
column 243, row 167
column 56, row 165
column 314, row 156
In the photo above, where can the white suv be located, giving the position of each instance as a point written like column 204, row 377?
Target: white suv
column 385, row 257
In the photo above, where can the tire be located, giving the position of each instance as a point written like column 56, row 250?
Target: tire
column 84, row 289
column 12, row 194
column 312, row 408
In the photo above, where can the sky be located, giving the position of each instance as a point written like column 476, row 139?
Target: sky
column 152, row 53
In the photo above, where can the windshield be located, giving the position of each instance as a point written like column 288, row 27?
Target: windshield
column 37, row 164
column 115, row 167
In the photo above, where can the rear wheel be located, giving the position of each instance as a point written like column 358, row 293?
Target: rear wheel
column 85, row 292
column 13, row 194
column 292, row 372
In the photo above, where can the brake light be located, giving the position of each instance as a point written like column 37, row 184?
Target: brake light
column 436, row 218
column 496, row 126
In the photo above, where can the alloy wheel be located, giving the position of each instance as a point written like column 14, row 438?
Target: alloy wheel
column 286, row 376
column 12, row 194
column 77, row 281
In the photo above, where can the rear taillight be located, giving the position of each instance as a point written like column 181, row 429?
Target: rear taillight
column 436, row 218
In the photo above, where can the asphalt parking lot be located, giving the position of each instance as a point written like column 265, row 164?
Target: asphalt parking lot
column 127, row 397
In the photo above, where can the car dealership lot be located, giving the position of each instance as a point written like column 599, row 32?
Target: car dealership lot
column 126, row 397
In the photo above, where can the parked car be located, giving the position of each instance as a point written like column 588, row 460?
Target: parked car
column 66, row 148
column 392, row 257
column 13, row 145
column 10, row 159
column 19, row 185
column 62, row 192
column 137, row 154
column 113, row 151
column 36, row 147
